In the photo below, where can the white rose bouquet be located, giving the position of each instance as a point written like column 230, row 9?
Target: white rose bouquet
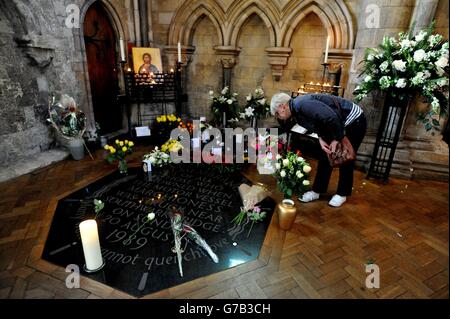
column 411, row 64
column 292, row 173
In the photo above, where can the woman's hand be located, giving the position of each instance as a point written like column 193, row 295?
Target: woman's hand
column 325, row 147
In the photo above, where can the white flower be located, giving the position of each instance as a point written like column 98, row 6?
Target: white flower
column 405, row 44
column 384, row 66
column 442, row 62
column 368, row 78
column 419, row 55
column 235, row 94
column 440, row 71
column 419, row 37
column 262, row 101
column 283, row 173
column 307, row 169
column 300, row 159
column 249, row 111
column 442, row 82
column 152, row 159
column 151, row 216
column 305, row 182
column 285, row 162
column 401, row 83
column 385, row 82
column 211, row 92
column 418, row 79
column 370, row 57
column 277, row 166
column 436, row 105
column 426, row 74
column 249, row 97
column 225, row 90
column 399, row 65
column 229, row 101
column 299, row 174
column 278, row 157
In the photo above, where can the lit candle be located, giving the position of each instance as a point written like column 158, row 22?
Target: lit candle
column 91, row 244
column 179, row 52
column 129, row 69
column 326, row 50
column 171, row 70
column 122, row 50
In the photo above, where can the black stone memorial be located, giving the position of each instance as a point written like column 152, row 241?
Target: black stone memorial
column 138, row 255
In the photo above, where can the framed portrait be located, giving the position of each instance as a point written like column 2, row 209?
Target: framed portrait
column 146, row 60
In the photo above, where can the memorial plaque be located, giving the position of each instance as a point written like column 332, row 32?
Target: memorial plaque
column 138, row 254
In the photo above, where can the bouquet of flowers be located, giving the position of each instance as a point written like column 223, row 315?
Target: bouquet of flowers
column 408, row 65
column 66, row 117
column 292, row 173
column 171, row 146
column 164, row 124
column 256, row 106
column 224, row 106
column 266, row 146
column 119, row 152
column 254, row 215
column 158, row 158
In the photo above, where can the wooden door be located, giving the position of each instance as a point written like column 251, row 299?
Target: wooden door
column 101, row 42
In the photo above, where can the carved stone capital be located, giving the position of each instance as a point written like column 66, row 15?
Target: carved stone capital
column 38, row 49
column 171, row 52
column 278, row 59
column 227, row 55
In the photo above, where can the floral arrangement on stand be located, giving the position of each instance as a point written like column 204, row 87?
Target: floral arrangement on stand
column 412, row 64
column 224, row 107
column 292, row 173
column 164, row 124
column 256, row 107
column 119, row 152
column 158, row 158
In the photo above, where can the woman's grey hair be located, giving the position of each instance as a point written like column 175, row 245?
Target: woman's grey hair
column 277, row 100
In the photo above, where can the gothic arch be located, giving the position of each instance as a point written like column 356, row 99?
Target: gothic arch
column 110, row 10
column 189, row 14
column 238, row 16
column 334, row 15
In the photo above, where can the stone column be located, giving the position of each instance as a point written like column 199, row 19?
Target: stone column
column 423, row 13
column 278, row 59
column 228, row 59
column 143, row 22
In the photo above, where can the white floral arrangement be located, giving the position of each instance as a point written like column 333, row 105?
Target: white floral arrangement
column 256, row 105
column 411, row 64
column 225, row 102
column 158, row 158
column 292, row 174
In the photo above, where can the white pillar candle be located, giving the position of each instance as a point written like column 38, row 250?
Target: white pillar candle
column 122, row 50
column 179, row 52
column 326, row 50
column 91, row 244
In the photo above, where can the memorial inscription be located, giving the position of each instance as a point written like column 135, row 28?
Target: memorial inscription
column 139, row 253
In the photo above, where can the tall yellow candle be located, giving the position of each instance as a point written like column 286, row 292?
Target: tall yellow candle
column 91, row 244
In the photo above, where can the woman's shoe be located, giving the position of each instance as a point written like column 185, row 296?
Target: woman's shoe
column 337, row 201
column 309, row 197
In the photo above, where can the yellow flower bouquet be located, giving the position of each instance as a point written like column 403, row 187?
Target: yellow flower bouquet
column 164, row 124
column 119, row 151
column 171, row 146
